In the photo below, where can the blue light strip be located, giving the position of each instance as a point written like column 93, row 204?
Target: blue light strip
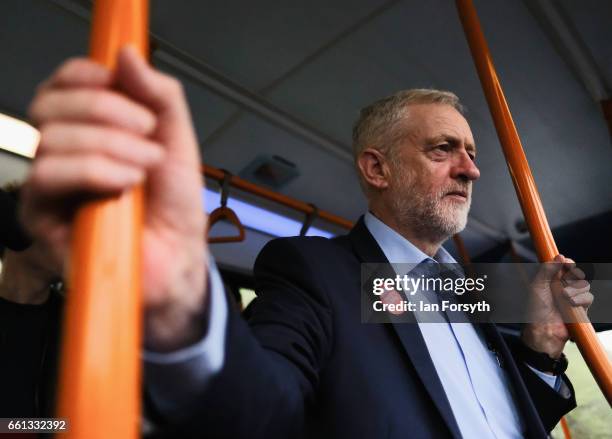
column 260, row 219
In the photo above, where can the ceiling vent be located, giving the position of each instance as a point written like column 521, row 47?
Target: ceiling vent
column 270, row 170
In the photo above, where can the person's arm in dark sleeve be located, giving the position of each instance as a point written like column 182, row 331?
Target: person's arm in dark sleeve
column 168, row 397
column 271, row 366
column 551, row 403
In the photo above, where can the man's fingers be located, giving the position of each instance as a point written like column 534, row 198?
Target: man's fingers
column 92, row 106
column 577, row 284
column 142, row 82
column 57, row 175
column 577, row 289
column 75, row 138
column 574, row 273
column 165, row 95
column 548, row 270
column 571, row 281
column 584, row 299
column 79, row 72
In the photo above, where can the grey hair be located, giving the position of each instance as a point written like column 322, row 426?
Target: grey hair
column 381, row 125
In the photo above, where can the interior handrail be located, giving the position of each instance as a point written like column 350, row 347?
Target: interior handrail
column 582, row 333
column 100, row 374
column 252, row 188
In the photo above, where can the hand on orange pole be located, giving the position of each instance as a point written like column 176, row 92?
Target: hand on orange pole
column 104, row 134
column 100, row 380
column 118, row 171
column 99, row 388
column 582, row 333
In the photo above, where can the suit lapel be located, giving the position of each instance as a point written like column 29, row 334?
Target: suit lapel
column 409, row 334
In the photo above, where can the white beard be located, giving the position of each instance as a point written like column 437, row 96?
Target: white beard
column 431, row 214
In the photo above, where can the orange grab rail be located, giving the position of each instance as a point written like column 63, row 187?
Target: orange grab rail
column 100, row 378
column 247, row 186
column 582, row 333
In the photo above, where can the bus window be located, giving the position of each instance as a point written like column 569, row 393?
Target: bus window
column 592, row 418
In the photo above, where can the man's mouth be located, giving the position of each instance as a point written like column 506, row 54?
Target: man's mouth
column 458, row 194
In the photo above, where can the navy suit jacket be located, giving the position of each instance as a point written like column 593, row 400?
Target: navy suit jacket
column 305, row 365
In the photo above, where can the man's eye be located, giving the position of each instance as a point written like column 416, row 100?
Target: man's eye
column 472, row 156
column 445, row 147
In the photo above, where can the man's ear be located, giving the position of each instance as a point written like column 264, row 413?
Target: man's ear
column 374, row 168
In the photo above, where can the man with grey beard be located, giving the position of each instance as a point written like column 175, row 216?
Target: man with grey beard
column 421, row 139
column 304, row 365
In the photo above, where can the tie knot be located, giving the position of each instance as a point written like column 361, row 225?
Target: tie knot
column 427, row 267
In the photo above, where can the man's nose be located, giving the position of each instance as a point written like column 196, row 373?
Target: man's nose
column 465, row 168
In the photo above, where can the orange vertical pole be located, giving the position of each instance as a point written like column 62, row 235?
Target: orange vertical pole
column 566, row 431
column 582, row 333
column 100, row 376
column 463, row 253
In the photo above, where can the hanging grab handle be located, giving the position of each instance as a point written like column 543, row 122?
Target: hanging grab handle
column 225, row 213
column 310, row 218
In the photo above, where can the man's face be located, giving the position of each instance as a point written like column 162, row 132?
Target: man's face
column 432, row 171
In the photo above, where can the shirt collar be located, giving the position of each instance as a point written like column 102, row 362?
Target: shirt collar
column 397, row 248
